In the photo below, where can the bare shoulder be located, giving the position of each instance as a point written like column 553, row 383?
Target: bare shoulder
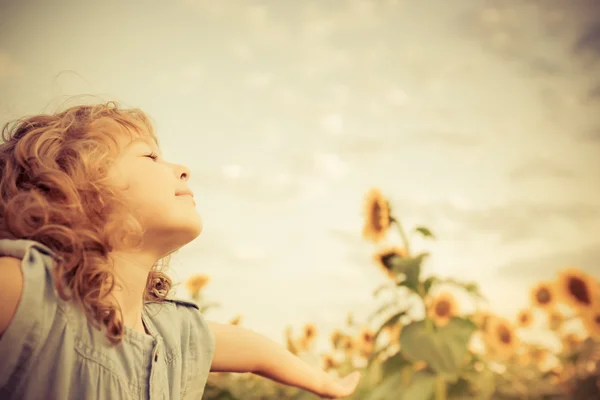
column 11, row 287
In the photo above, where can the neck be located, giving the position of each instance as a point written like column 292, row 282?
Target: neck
column 131, row 274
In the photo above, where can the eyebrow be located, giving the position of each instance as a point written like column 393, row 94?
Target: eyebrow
column 152, row 143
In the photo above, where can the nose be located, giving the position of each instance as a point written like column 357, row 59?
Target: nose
column 184, row 171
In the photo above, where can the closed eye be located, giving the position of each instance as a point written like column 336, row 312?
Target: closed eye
column 153, row 156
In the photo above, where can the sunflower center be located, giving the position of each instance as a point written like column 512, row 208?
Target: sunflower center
column 309, row 332
column 442, row 308
column 543, row 296
column 579, row 290
column 376, row 217
column 504, row 335
column 524, row 317
column 386, row 259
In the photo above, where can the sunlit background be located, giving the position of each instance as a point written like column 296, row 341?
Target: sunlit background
column 478, row 119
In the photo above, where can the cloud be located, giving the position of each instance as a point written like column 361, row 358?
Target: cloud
column 542, row 66
column 236, row 181
column 365, row 146
column 506, row 31
column 332, row 123
column 510, row 223
column 540, row 168
column 593, row 95
column 448, row 138
column 521, row 222
column 546, row 266
column 496, row 28
column 219, row 247
column 331, row 166
column 592, row 135
column 588, row 41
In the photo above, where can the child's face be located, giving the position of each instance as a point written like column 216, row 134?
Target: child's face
column 152, row 186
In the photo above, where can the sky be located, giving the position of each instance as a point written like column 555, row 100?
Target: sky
column 477, row 119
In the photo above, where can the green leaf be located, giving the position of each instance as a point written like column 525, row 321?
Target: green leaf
column 482, row 383
column 394, row 364
column 425, row 232
column 459, row 389
column 442, row 348
column 373, row 374
column 410, row 268
column 421, row 387
column 390, row 388
column 389, row 322
column 428, row 283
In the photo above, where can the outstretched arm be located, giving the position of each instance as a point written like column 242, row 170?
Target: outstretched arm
column 241, row 350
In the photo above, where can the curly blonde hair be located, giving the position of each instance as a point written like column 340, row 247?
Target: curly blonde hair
column 54, row 189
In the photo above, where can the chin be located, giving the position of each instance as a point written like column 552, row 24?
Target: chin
column 196, row 229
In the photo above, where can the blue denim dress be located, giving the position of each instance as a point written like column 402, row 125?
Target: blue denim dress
column 50, row 350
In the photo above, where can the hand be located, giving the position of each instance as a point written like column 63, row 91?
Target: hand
column 339, row 388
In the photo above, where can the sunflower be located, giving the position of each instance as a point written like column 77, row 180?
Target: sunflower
column 524, row 358
column 329, row 362
column 543, row 296
column 384, row 259
column 591, row 321
column 305, row 343
column 310, row 331
column 441, row 308
column 393, row 332
column 348, row 344
column 290, row 342
column 367, row 337
column 524, row 318
column 335, row 338
column 377, row 216
column 539, row 355
column 482, row 319
column 576, row 288
column 570, row 342
column 419, row 365
column 502, row 338
column 562, row 374
column 555, row 320
column 195, row 283
column 367, row 342
column 236, row 320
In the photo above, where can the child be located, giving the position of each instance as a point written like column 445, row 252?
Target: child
column 91, row 214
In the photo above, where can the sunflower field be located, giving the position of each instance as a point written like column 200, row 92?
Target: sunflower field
column 420, row 345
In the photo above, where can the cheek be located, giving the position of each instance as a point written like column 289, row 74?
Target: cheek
column 149, row 194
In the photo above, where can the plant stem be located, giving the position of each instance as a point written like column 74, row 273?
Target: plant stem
column 421, row 291
column 403, row 236
column 440, row 388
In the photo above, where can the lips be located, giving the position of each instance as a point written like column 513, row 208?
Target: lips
column 185, row 193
